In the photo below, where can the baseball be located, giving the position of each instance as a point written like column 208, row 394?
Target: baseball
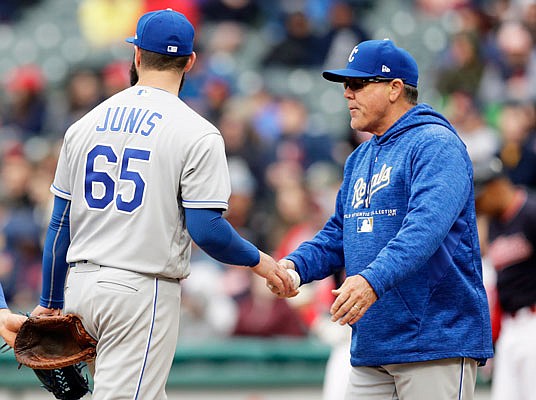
column 295, row 278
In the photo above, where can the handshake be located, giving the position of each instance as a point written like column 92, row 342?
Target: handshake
column 281, row 277
column 352, row 298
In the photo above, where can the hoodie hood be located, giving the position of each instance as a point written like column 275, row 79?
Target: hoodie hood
column 420, row 115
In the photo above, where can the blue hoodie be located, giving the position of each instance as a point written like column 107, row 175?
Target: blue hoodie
column 405, row 221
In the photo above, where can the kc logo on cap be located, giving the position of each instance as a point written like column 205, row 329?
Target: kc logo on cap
column 377, row 59
column 165, row 32
column 351, row 56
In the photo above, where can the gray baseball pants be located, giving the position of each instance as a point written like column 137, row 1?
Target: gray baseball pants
column 135, row 319
column 447, row 379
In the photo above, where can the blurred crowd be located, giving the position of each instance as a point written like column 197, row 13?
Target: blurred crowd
column 285, row 167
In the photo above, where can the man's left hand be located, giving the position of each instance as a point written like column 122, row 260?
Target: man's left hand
column 9, row 325
column 354, row 298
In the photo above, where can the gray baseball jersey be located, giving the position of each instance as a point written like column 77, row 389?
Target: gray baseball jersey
column 129, row 167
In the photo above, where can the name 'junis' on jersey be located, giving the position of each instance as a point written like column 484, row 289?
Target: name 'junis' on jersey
column 129, row 120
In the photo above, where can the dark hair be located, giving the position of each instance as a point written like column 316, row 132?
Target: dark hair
column 411, row 94
column 162, row 62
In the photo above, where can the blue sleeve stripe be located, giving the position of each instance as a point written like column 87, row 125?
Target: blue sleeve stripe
column 204, row 202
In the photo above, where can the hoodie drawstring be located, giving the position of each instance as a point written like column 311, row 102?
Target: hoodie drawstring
column 373, row 160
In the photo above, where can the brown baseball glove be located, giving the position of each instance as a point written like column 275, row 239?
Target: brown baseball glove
column 51, row 342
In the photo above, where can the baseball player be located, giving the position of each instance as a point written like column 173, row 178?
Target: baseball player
column 138, row 178
column 9, row 323
column 511, row 211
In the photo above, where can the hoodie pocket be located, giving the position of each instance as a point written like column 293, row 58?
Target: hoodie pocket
column 438, row 264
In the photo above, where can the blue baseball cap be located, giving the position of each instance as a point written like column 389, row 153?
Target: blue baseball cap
column 165, row 32
column 377, row 58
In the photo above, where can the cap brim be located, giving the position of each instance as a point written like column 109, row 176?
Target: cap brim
column 339, row 75
column 130, row 39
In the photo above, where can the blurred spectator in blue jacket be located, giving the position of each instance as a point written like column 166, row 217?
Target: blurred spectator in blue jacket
column 243, row 142
column 243, row 11
column 26, row 110
column 83, row 91
column 299, row 47
column 513, row 76
column 344, row 32
column 11, row 10
column 517, row 126
column 297, row 141
column 20, row 235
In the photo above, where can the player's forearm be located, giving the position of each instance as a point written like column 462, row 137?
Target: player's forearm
column 54, row 255
column 210, row 231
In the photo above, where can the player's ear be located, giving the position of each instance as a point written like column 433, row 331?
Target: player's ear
column 137, row 56
column 191, row 62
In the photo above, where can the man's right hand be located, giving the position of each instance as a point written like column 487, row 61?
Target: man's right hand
column 277, row 278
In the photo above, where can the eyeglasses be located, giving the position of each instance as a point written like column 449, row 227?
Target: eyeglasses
column 358, row 84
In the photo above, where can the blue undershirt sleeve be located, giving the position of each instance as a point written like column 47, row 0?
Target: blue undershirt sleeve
column 3, row 303
column 216, row 236
column 55, row 266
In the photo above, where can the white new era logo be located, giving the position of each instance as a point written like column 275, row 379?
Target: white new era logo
column 385, row 68
column 172, row 49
